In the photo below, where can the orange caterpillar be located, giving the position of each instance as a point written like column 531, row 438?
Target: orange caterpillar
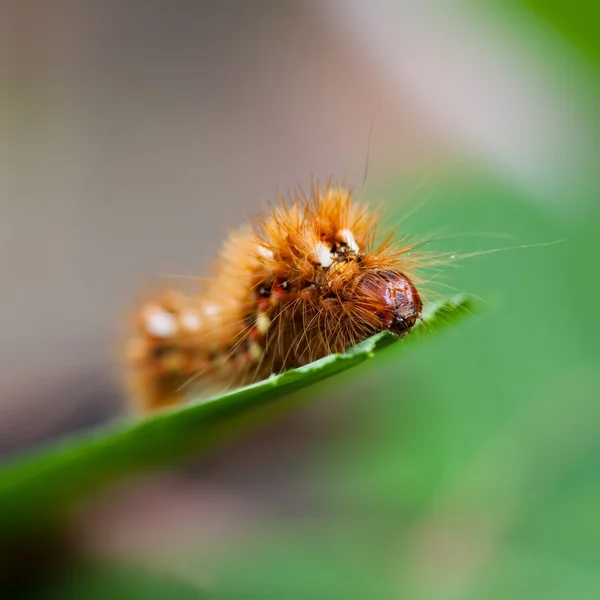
column 306, row 281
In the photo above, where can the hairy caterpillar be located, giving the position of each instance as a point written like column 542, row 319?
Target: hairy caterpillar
column 309, row 279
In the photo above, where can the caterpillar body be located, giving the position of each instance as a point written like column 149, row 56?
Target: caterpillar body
column 311, row 278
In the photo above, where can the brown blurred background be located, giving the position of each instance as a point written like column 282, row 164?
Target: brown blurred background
column 135, row 131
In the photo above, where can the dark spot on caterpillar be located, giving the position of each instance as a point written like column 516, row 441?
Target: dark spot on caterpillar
column 263, row 290
column 341, row 252
column 161, row 351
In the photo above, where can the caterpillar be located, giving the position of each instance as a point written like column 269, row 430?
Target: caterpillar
column 311, row 278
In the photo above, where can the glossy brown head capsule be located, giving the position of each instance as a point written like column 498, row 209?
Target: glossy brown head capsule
column 389, row 300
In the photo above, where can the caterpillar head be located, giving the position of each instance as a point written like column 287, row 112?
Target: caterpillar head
column 320, row 256
column 388, row 300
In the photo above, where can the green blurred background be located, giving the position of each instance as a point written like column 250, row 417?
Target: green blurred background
column 467, row 468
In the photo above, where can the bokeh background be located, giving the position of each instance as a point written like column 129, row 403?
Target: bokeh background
column 135, row 132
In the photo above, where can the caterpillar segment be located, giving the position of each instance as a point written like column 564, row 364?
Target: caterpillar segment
column 307, row 280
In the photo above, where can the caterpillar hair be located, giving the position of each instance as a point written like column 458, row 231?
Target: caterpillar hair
column 311, row 278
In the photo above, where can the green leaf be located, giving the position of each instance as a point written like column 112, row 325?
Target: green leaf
column 38, row 491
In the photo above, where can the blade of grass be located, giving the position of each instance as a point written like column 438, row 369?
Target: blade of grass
column 39, row 490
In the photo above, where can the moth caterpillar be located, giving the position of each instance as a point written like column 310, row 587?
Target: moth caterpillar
column 309, row 279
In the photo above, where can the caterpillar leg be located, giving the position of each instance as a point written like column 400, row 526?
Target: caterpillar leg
column 163, row 354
